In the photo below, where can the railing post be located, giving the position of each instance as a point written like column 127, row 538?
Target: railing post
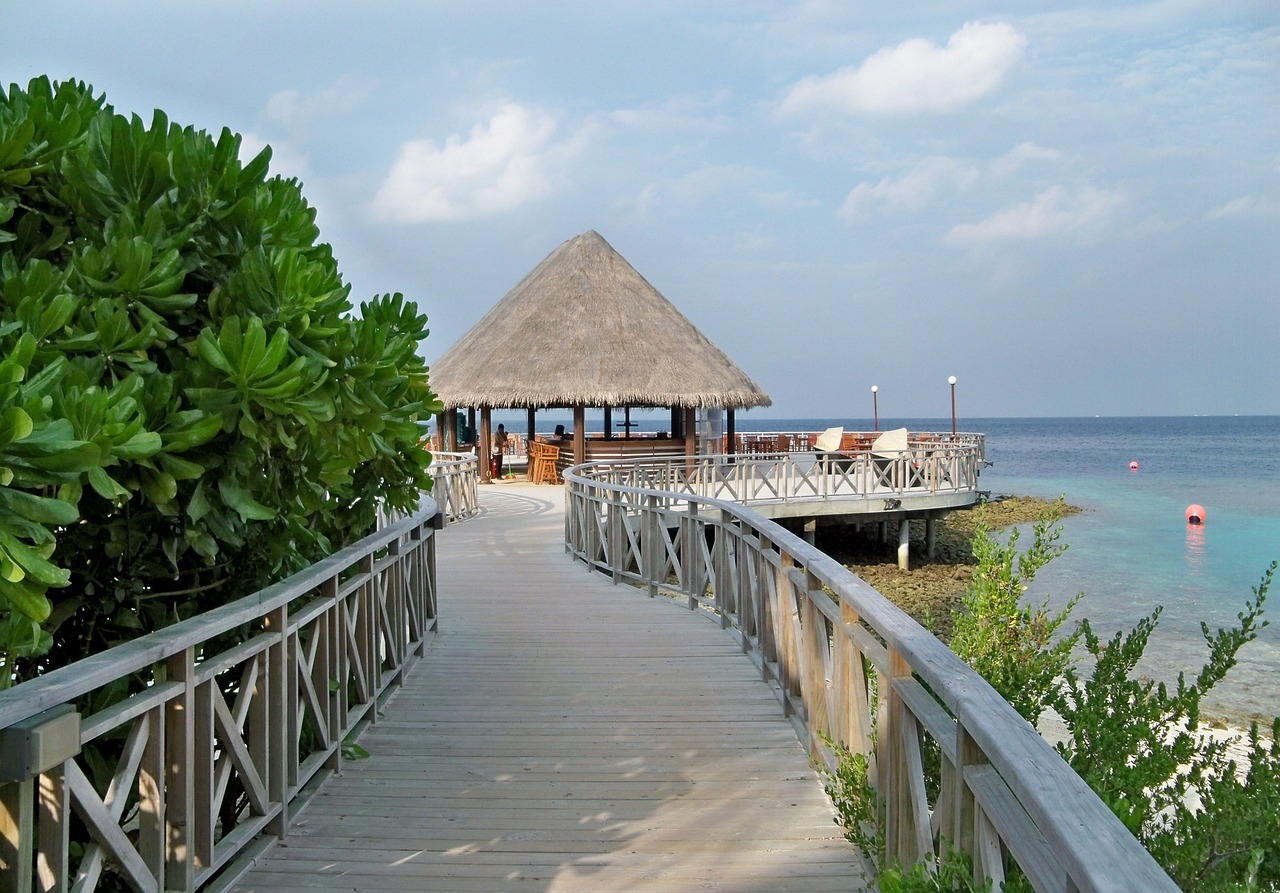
column 366, row 633
column 749, row 610
column 53, row 826
column 282, row 707
column 720, row 573
column 17, row 834
column 204, row 761
column 652, row 544
column 963, row 822
column 614, row 522
column 890, row 757
column 336, row 667
column 695, row 576
column 591, row 527
column 397, row 609
column 427, row 583
column 785, row 623
column 815, row 664
column 853, row 712
column 151, row 793
column 179, row 793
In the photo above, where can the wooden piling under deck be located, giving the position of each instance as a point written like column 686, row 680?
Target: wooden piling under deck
column 566, row 734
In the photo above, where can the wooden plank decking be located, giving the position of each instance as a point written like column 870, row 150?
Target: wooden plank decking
column 564, row 734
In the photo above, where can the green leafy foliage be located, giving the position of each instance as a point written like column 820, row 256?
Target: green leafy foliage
column 953, row 873
column 1014, row 645
column 854, row 798
column 1205, row 803
column 1207, row 806
column 190, row 407
column 857, row 812
column 1211, row 819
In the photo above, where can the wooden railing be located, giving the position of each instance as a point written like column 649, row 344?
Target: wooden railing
column 750, row 443
column 933, row 470
column 170, row 758
column 848, row 664
column 455, row 476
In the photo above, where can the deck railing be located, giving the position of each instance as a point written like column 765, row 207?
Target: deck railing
column 455, row 476
column 753, row 442
column 171, row 757
column 848, row 664
column 925, row 469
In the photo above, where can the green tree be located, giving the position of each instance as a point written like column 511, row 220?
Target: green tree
column 190, row 406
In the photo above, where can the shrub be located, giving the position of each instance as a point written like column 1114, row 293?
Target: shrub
column 189, row 407
column 1205, row 805
column 1212, row 821
column 1014, row 645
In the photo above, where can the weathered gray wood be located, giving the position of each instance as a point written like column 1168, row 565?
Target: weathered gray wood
column 1084, row 837
column 184, row 741
column 1002, row 812
column 66, row 684
column 562, row 733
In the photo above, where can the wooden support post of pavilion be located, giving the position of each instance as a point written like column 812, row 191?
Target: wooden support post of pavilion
column 484, row 450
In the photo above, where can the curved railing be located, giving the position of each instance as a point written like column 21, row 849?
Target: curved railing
column 455, row 479
column 848, row 664
column 942, row 473
column 187, row 750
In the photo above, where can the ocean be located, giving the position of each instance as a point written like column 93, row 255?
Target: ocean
column 1130, row 548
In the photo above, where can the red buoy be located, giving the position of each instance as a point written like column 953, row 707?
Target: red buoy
column 1195, row 514
column 1133, row 466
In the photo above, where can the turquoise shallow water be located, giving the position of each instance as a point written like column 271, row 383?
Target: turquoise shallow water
column 1131, row 548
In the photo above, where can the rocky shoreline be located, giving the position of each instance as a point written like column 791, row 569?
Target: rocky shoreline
column 933, row 586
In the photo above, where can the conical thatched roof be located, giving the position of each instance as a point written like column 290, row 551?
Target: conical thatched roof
column 585, row 329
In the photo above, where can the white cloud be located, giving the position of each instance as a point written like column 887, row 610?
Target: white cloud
column 1243, row 207
column 916, row 76
column 1053, row 212
column 911, row 192
column 696, row 187
column 295, row 110
column 1022, row 155
column 680, row 113
column 502, row 164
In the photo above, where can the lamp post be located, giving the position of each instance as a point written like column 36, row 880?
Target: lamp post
column 952, row 381
column 875, row 408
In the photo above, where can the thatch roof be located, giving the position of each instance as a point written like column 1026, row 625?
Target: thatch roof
column 585, row 329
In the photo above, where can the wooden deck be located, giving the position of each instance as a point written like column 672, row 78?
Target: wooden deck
column 564, row 734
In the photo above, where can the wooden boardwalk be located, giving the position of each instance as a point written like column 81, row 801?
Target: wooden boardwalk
column 564, row 734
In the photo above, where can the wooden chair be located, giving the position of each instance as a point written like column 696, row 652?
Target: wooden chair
column 532, row 449
column 544, row 467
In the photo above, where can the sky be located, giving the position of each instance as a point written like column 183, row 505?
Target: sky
column 1073, row 208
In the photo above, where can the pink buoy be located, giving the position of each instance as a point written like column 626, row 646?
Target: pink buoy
column 1195, row 514
column 1133, row 466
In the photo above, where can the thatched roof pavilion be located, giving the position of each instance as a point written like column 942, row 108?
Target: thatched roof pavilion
column 584, row 329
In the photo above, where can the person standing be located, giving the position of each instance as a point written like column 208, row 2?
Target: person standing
column 499, row 449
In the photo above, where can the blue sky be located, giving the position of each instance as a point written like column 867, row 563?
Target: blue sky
column 1074, row 210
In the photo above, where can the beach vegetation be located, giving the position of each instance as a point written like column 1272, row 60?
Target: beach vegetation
column 1020, row 648
column 1203, row 801
column 190, row 405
